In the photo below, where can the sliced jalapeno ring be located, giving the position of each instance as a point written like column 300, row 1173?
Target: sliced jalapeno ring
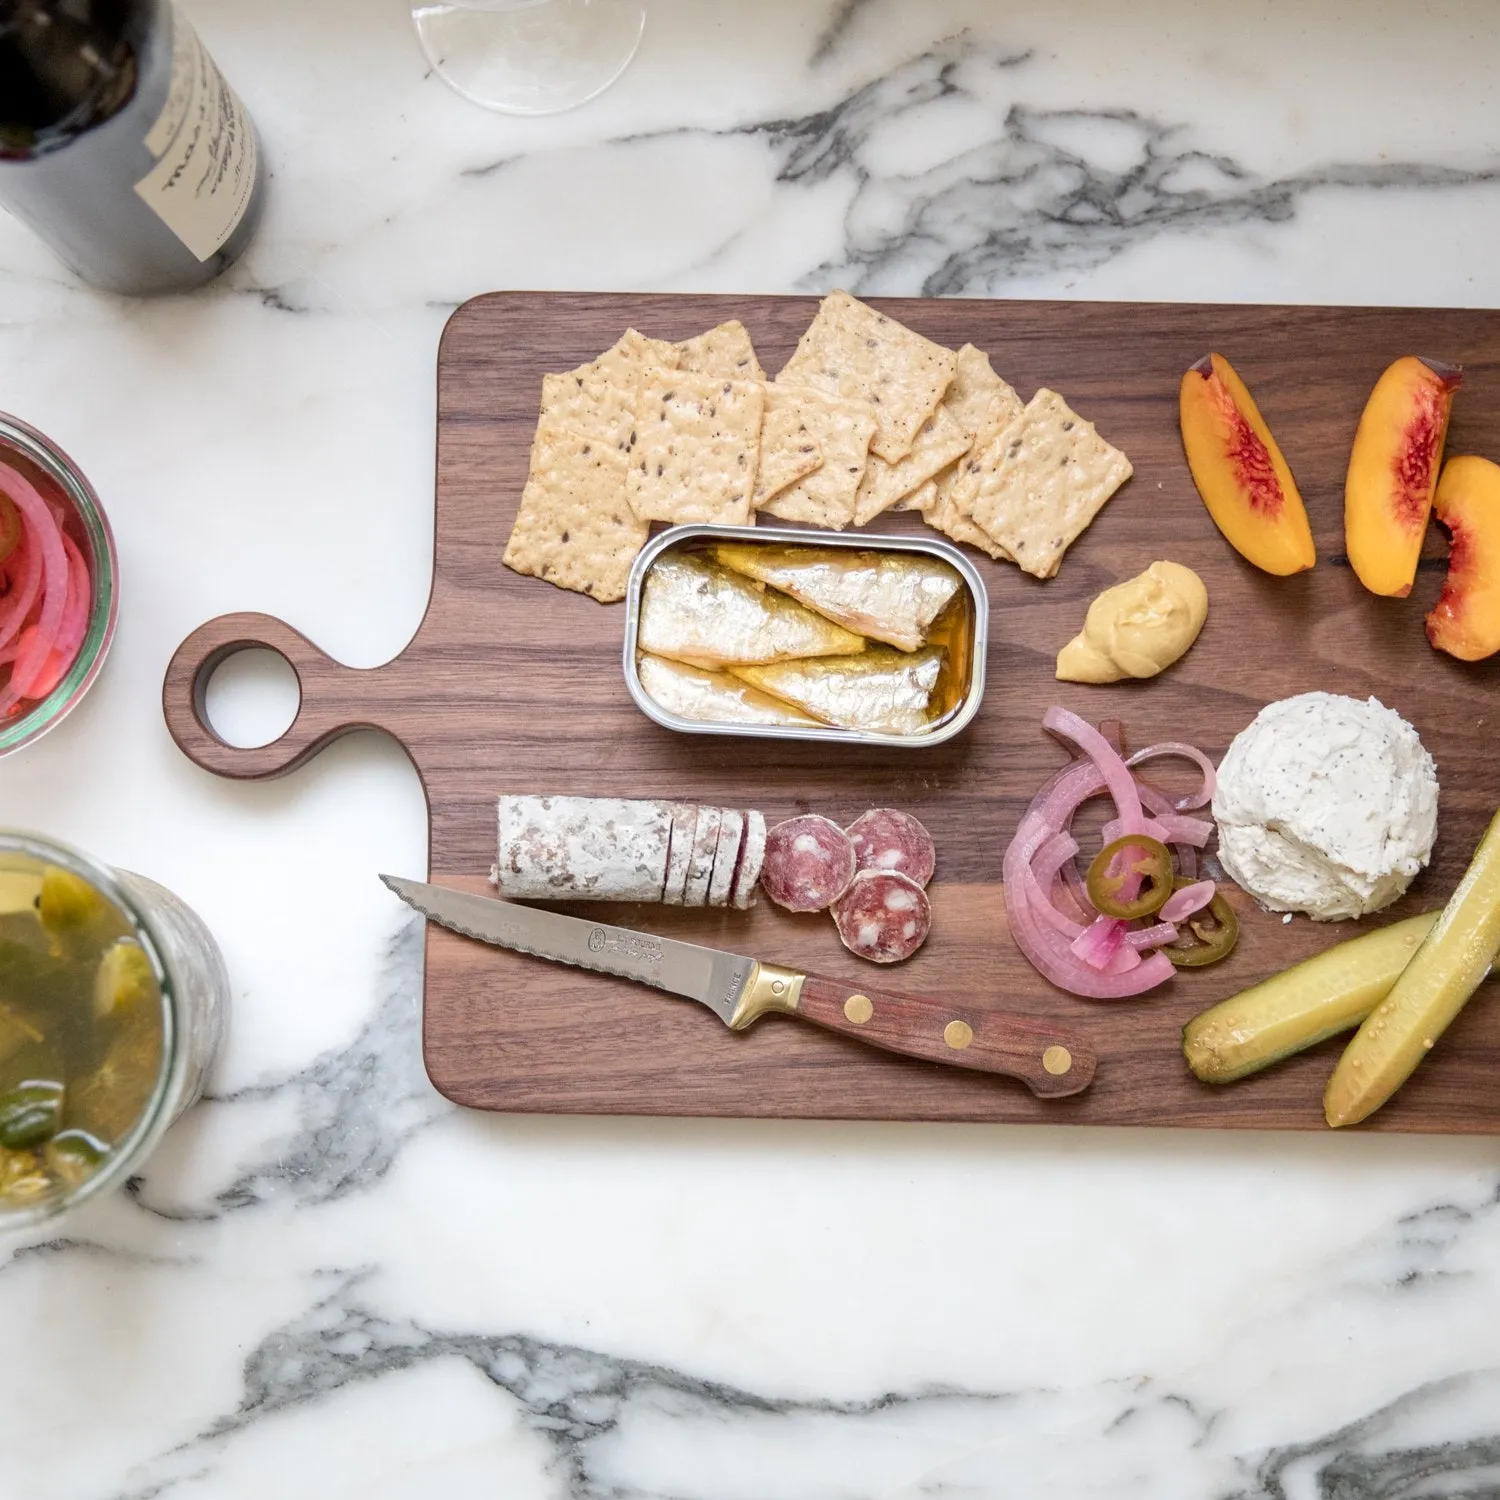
column 30, row 1114
column 1214, row 942
column 1145, row 859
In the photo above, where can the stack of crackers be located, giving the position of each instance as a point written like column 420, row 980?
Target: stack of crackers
column 865, row 417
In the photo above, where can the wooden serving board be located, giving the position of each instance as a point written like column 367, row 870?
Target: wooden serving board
column 510, row 685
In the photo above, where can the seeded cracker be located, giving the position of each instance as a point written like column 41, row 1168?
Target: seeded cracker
column 574, row 528
column 1041, row 481
column 984, row 405
column 843, row 430
column 697, row 442
column 922, row 499
column 598, row 399
column 851, row 350
column 590, row 405
column 788, row 449
column 624, row 359
column 725, row 350
column 938, row 444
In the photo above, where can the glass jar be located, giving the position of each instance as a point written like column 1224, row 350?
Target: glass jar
column 187, row 998
column 58, row 478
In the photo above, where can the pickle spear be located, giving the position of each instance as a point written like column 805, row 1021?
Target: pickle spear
column 1401, row 1030
column 1301, row 1006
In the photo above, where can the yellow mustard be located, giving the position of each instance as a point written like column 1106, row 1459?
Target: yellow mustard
column 1138, row 628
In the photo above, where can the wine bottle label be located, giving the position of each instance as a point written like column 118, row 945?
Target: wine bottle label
column 205, row 148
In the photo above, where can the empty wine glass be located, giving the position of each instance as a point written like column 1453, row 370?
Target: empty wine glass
column 530, row 57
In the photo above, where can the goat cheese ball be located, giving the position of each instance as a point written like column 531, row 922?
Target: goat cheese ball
column 1326, row 805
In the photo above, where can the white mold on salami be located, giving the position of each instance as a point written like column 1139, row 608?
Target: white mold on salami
column 885, row 838
column 680, row 851
column 701, row 864
column 752, row 857
column 883, row 917
column 583, row 848
column 809, row 863
column 726, row 857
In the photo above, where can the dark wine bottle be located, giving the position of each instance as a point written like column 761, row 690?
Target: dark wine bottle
column 121, row 145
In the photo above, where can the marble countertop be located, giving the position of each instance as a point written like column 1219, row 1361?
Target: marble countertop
column 330, row 1282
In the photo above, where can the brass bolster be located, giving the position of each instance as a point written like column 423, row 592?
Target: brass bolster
column 770, row 989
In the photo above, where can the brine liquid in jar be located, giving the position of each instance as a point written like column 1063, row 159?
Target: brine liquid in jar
column 82, row 1031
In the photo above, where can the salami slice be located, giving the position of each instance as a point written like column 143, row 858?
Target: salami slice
column 583, row 848
column 886, row 838
column 883, row 916
column 752, row 857
column 809, row 863
column 726, row 857
column 701, row 864
column 679, row 852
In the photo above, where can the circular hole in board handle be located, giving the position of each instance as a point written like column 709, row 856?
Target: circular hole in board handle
column 252, row 698
column 332, row 699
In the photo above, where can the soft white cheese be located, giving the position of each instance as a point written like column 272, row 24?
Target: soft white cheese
column 1326, row 805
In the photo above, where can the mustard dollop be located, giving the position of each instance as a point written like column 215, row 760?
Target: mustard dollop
column 1138, row 628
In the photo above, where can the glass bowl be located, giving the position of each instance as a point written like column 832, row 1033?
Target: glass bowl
column 58, row 477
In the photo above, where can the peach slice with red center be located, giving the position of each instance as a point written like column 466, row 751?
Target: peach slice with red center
column 1239, row 470
column 1393, row 471
column 1465, row 622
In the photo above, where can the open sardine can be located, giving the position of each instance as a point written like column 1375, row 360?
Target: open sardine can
column 783, row 633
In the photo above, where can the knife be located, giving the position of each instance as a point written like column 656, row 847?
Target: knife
column 1052, row 1061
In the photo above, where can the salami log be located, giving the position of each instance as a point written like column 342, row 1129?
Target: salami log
column 752, row 857
column 583, row 848
column 617, row 849
column 726, row 857
column 809, row 863
column 886, row 838
column 883, row 917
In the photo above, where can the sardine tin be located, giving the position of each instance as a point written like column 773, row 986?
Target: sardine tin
column 796, row 537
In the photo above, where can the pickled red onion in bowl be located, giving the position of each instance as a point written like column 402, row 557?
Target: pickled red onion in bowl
column 58, row 599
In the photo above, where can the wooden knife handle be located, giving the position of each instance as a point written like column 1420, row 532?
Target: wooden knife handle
column 1052, row 1061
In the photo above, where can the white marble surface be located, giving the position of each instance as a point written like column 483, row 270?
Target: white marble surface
column 330, row 1283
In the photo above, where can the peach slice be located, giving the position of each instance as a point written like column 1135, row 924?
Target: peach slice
column 1393, row 471
column 1465, row 622
column 1239, row 470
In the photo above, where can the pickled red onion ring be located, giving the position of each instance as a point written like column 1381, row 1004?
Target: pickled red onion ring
column 1117, row 777
column 1157, row 936
column 24, row 569
column 1191, row 898
column 1204, row 795
column 1169, row 828
column 46, row 534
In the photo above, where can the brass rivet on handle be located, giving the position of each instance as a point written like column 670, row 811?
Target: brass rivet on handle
column 1057, row 1060
column 858, row 1009
column 778, row 986
column 958, row 1034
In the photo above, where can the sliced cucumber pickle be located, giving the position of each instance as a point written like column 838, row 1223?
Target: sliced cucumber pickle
column 124, row 978
column 1301, row 1006
column 67, row 901
column 1443, row 973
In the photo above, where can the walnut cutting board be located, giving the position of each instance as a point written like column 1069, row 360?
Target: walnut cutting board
column 510, row 685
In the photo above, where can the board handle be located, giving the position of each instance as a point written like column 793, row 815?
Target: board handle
column 333, row 699
column 1052, row 1061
